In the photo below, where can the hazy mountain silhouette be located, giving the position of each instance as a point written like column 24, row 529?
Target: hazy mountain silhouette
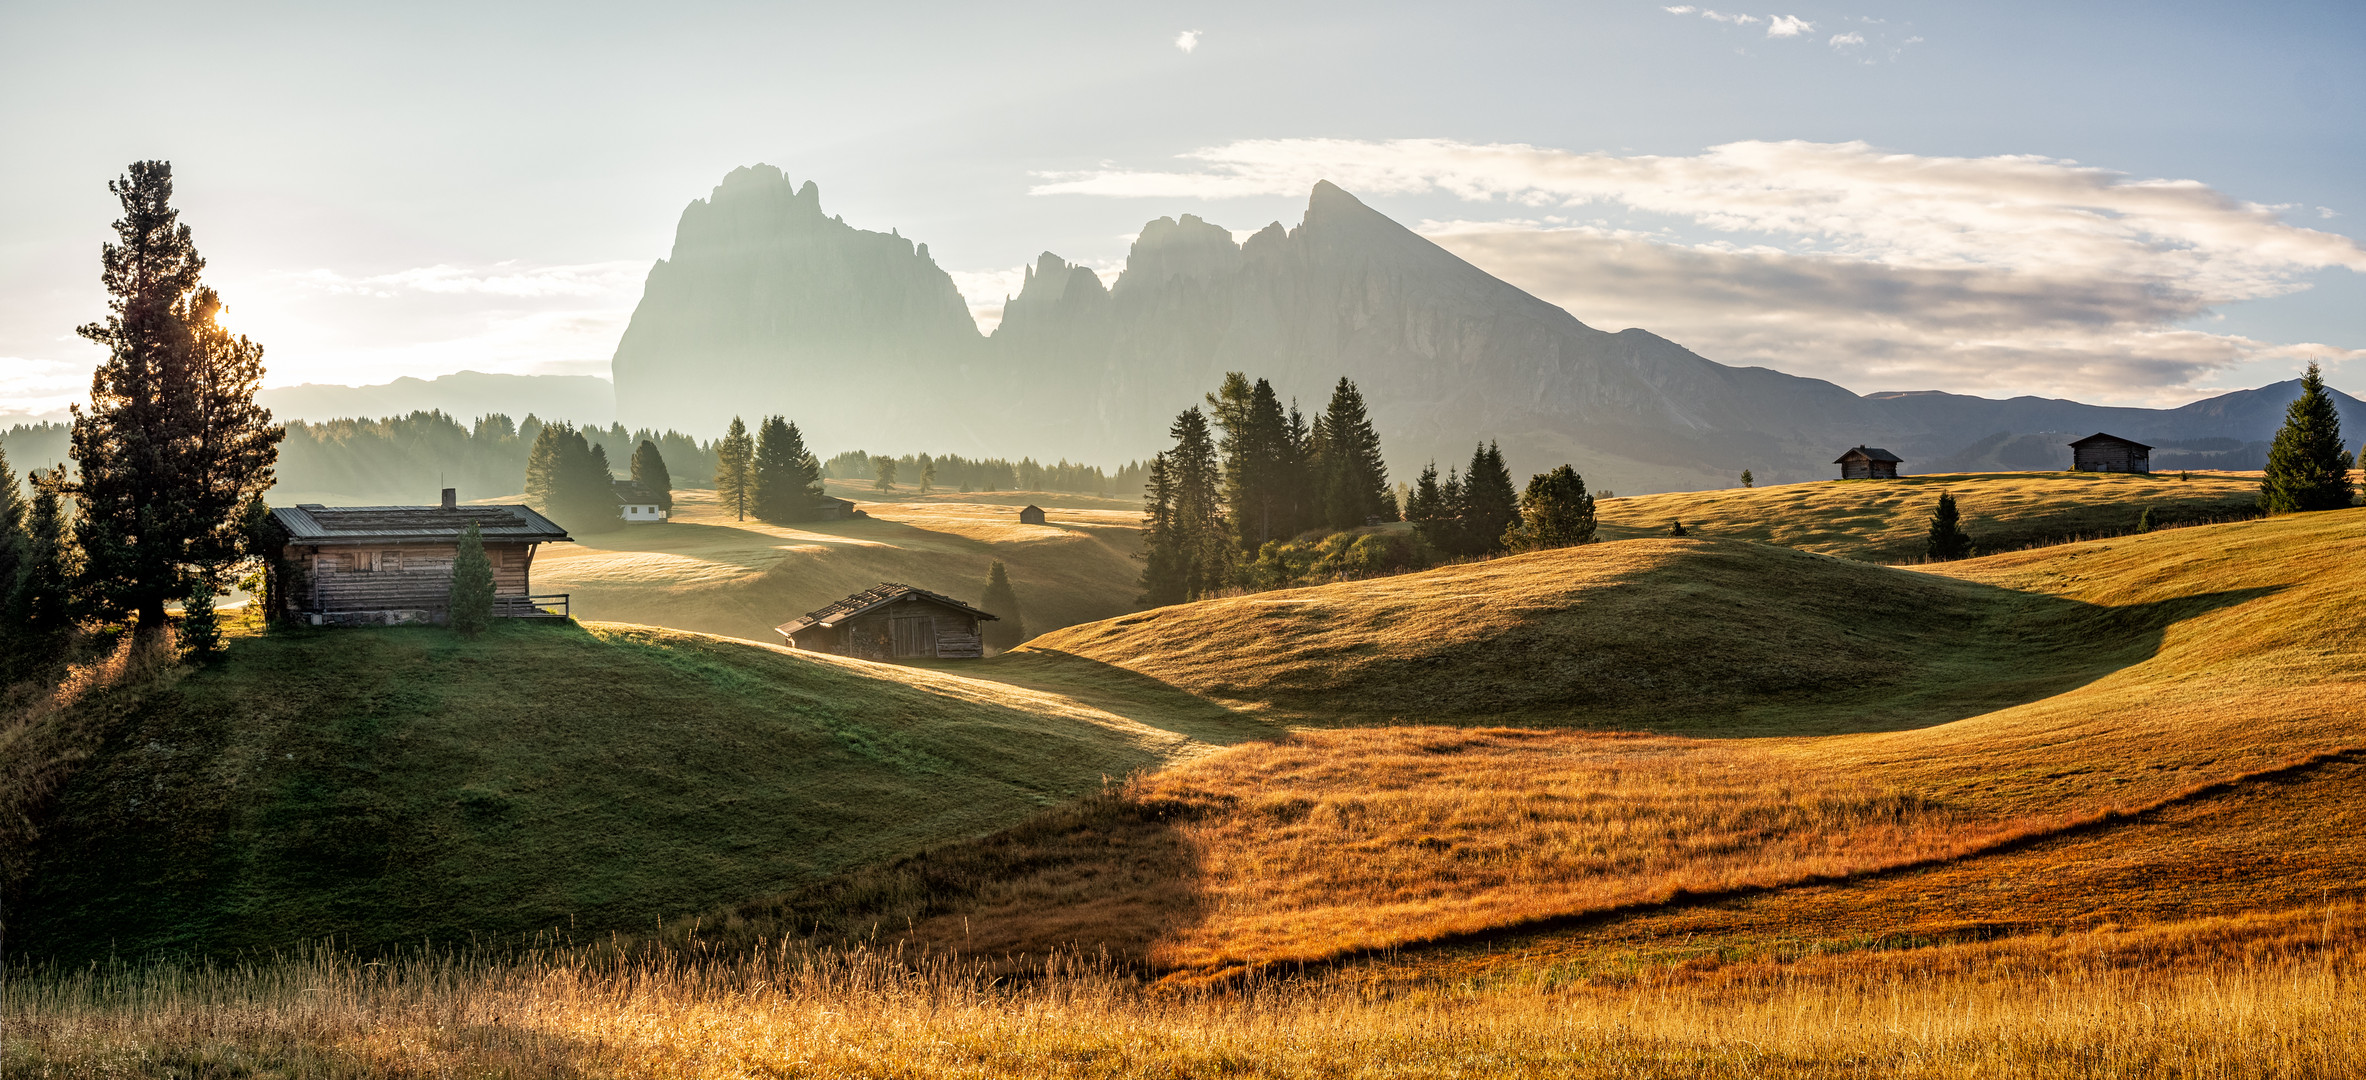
column 767, row 305
column 464, row 395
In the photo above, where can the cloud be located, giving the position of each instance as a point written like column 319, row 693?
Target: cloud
column 499, row 279
column 1880, row 270
column 1187, row 40
column 33, row 389
column 1681, row 9
column 1737, row 20
column 1788, row 26
column 1842, row 41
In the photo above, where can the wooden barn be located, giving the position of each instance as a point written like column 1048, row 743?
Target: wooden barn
column 1032, row 515
column 385, row 565
column 891, row 622
column 1868, row 463
column 2102, row 452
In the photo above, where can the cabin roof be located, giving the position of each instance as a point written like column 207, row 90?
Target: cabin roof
column 1031, row 506
column 1869, row 453
column 631, row 491
column 2104, row 438
column 886, row 592
column 312, row 523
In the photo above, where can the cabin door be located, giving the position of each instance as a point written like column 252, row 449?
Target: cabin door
column 915, row 635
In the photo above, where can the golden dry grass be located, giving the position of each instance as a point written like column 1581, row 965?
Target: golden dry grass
column 708, row 572
column 2092, row 1005
column 1888, row 520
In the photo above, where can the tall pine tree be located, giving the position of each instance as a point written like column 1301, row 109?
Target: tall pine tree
column 2306, row 467
column 649, row 471
column 1348, row 466
column 472, row 585
column 1264, row 462
column 1430, row 507
column 568, row 479
column 40, row 600
column 1488, row 504
column 1010, row 627
column 783, row 489
column 735, row 470
column 174, row 442
column 1188, row 545
column 1947, row 541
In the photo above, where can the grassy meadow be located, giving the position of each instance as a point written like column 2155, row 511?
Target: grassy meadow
column 1709, row 806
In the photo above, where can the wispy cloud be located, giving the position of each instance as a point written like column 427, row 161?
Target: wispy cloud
column 1680, row 9
column 40, row 389
column 1737, row 20
column 1839, row 259
column 1788, row 26
column 499, row 279
column 1847, row 40
column 1187, row 40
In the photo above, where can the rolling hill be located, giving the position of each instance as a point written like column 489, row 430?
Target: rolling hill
column 394, row 786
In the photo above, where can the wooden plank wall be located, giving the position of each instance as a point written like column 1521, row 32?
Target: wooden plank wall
column 400, row 577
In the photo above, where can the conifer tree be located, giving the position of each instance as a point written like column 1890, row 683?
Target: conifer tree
column 174, row 442
column 40, row 601
column 883, row 473
column 1430, row 507
column 2306, row 467
column 1010, row 628
column 472, row 585
column 568, row 479
column 1262, row 460
column 649, row 471
column 1748, row 480
column 1188, row 545
column 1555, row 512
column 201, row 625
column 1948, row 541
column 14, row 542
column 1488, row 503
column 735, row 470
column 928, row 474
column 780, row 492
column 1348, row 466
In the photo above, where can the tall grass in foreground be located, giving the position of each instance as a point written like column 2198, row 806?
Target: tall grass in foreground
column 2296, row 1014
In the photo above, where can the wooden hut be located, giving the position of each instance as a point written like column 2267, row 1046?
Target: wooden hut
column 891, row 622
column 1032, row 515
column 384, row 565
column 1863, row 462
column 2103, row 452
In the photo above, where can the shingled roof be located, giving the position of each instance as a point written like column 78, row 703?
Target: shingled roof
column 886, row 592
column 1870, row 453
column 2103, row 437
column 312, row 523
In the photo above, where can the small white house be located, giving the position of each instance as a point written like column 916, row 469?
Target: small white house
column 637, row 504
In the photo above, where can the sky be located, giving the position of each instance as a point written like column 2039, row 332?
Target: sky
column 2122, row 203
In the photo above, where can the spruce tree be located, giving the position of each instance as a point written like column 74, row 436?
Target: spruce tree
column 1488, row 503
column 1353, row 478
column 1010, row 628
column 14, row 542
column 1188, row 545
column 568, row 479
column 928, row 474
column 780, row 493
column 174, row 442
column 472, row 585
column 201, row 625
column 1748, row 480
column 649, row 471
column 1262, row 462
column 735, row 470
column 1948, row 541
column 41, row 601
column 805, row 477
column 1555, row 512
column 2306, row 467
column 883, row 474
column 1431, row 509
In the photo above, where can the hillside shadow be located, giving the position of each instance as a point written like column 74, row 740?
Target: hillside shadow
column 1125, row 692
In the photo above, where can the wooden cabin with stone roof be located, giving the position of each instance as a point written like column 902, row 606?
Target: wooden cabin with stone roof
column 2106, row 452
column 891, row 622
column 1863, row 462
column 389, row 565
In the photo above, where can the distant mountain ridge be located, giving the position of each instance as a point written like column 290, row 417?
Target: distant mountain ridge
column 767, row 305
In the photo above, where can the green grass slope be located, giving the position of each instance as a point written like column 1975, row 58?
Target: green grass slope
column 1669, row 634
column 385, row 786
column 1888, row 520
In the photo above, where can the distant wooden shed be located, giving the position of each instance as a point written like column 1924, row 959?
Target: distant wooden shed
column 1863, row 462
column 2104, row 452
column 381, row 565
column 1032, row 515
column 891, row 622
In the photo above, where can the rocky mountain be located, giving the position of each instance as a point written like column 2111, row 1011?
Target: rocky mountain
column 767, row 305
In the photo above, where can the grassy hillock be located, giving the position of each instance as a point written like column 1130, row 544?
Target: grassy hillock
column 388, row 786
column 1888, row 520
column 708, row 572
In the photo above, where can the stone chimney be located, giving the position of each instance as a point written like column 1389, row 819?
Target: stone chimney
column 451, row 499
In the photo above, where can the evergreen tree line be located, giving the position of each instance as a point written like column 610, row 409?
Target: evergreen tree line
column 952, row 472
column 1253, row 494
column 406, row 459
column 769, row 475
